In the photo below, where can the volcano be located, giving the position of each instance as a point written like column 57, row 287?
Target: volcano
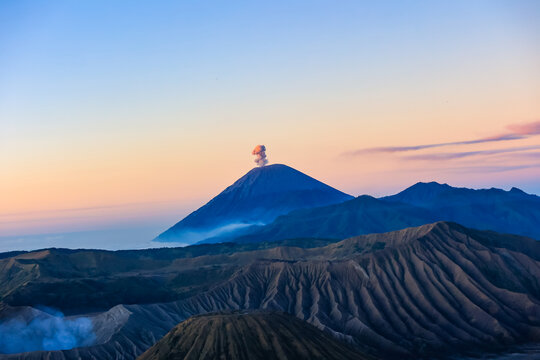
column 258, row 197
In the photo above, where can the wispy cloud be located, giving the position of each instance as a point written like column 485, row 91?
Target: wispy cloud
column 516, row 132
column 464, row 154
column 526, row 129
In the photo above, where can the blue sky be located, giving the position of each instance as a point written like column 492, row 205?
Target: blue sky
column 106, row 104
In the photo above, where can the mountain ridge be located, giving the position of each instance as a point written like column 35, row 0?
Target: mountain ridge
column 511, row 212
column 430, row 291
column 422, row 193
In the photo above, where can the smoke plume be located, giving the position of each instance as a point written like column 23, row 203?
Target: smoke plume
column 44, row 331
column 260, row 153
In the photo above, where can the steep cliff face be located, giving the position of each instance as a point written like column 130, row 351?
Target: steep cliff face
column 433, row 290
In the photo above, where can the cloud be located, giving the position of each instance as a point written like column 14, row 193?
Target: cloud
column 517, row 132
column 527, row 129
column 194, row 236
column 460, row 155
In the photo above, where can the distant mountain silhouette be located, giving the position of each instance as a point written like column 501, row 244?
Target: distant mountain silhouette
column 513, row 211
column 362, row 215
column 257, row 197
column 258, row 335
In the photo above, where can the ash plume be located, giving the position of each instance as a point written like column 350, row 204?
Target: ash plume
column 260, row 153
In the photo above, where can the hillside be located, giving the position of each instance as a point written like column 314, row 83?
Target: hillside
column 433, row 290
column 248, row 336
column 78, row 281
column 362, row 215
column 512, row 212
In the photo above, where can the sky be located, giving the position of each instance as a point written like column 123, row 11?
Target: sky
column 131, row 114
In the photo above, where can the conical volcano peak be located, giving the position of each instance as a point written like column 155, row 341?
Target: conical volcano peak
column 275, row 178
column 258, row 197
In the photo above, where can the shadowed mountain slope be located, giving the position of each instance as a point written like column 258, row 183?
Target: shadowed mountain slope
column 362, row 215
column 257, row 197
column 434, row 290
column 248, row 336
column 511, row 211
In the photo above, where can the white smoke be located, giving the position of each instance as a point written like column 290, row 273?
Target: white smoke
column 45, row 331
column 192, row 237
column 260, row 153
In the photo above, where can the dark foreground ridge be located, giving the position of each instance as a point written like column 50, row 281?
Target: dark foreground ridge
column 249, row 336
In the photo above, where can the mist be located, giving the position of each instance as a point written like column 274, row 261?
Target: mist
column 46, row 330
column 193, row 237
column 137, row 237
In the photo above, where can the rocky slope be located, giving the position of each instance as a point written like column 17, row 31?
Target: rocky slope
column 429, row 291
column 248, row 336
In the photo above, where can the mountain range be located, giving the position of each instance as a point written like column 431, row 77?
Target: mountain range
column 277, row 202
column 285, row 264
column 513, row 211
column 436, row 290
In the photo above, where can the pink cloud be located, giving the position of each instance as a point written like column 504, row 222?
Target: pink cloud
column 529, row 129
column 518, row 131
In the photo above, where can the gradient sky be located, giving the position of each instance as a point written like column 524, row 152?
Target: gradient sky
column 117, row 114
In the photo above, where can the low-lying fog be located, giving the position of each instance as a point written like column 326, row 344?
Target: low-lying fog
column 112, row 239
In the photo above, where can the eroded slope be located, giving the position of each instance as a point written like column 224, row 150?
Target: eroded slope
column 248, row 336
column 434, row 290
